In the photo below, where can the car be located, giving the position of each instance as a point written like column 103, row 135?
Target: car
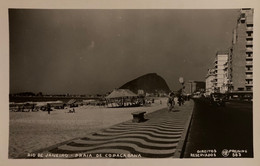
column 196, row 95
column 218, row 99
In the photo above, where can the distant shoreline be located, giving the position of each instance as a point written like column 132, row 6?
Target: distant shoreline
column 19, row 99
column 23, row 99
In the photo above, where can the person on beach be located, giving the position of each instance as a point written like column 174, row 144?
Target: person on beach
column 49, row 111
column 48, row 108
column 170, row 102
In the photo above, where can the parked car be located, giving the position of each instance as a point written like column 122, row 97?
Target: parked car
column 218, row 99
column 196, row 95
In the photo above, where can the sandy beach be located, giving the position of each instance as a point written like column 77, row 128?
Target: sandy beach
column 31, row 131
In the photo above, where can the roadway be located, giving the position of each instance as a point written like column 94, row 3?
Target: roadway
column 220, row 131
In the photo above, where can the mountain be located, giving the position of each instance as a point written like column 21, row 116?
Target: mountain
column 150, row 83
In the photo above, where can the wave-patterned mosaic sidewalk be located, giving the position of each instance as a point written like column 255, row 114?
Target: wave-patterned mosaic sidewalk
column 160, row 136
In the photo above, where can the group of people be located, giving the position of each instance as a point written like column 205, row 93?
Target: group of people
column 174, row 99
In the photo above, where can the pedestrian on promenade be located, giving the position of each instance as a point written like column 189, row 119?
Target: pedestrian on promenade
column 180, row 100
column 170, row 102
column 175, row 99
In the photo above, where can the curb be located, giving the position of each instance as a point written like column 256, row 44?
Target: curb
column 181, row 144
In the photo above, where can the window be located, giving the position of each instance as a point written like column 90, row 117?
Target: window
column 249, row 82
column 249, row 54
column 249, row 34
column 249, row 68
column 249, row 88
column 240, row 89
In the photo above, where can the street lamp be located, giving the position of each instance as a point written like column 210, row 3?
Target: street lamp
column 181, row 80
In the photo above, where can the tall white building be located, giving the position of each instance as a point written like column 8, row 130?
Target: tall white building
column 241, row 56
column 210, row 81
column 234, row 68
column 221, row 72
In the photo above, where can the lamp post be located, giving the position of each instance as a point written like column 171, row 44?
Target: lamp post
column 181, row 80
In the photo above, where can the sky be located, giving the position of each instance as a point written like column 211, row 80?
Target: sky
column 58, row 51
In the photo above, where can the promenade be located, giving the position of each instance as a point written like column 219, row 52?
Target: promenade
column 161, row 135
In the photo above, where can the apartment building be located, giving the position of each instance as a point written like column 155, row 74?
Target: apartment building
column 241, row 54
column 193, row 86
column 221, row 72
column 210, row 77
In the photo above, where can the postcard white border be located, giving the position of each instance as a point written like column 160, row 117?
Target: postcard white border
column 121, row 4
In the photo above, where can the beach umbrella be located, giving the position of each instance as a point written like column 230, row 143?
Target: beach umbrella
column 72, row 101
column 121, row 93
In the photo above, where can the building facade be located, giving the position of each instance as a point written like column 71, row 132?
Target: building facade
column 241, row 53
column 210, row 77
column 189, row 87
column 194, row 86
column 221, row 72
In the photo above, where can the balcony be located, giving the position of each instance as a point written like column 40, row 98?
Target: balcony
column 249, row 63
column 249, row 29
column 249, row 77
column 243, row 19
column 249, row 49
column 225, row 64
column 225, row 68
column 249, row 70
column 249, row 84
column 249, row 38
column 249, row 43
column 249, row 57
